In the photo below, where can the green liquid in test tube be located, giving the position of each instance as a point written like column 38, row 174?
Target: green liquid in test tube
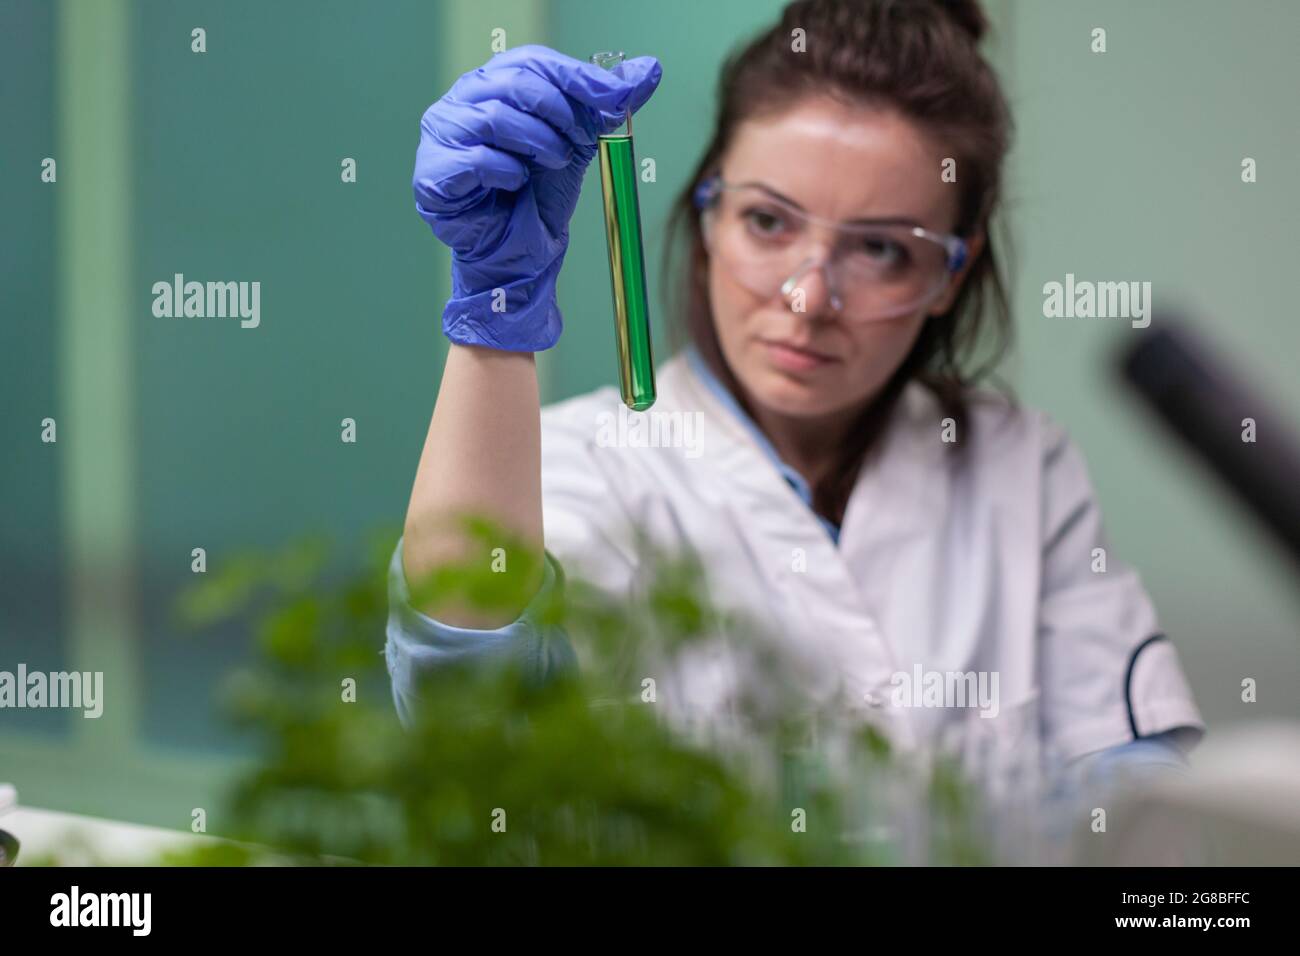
column 636, row 371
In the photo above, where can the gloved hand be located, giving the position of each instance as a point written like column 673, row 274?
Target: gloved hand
column 497, row 176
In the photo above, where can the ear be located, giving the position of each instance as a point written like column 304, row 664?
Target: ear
column 974, row 247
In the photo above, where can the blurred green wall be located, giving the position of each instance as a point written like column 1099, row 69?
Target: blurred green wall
column 1126, row 166
column 32, row 625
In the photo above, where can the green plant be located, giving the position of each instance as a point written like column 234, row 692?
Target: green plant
column 499, row 767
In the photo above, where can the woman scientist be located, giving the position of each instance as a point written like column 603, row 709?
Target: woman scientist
column 853, row 490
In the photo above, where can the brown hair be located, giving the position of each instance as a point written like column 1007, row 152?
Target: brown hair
column 921, row 58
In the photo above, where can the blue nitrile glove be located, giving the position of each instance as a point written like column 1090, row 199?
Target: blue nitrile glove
column 497, row 175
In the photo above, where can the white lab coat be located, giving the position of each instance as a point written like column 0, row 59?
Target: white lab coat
column 982, row 564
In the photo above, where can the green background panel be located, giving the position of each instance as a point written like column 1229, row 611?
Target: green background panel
column 32, row 623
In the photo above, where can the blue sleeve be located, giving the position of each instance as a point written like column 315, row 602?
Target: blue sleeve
column 1159, row 753
column 417, row 644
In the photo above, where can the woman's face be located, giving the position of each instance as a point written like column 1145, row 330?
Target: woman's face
column 839, row 163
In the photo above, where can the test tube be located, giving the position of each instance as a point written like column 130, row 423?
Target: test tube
column 636, row 371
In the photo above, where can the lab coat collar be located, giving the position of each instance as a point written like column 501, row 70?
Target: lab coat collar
column 728, row 401
column 901, row 470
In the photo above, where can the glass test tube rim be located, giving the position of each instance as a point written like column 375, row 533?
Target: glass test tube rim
column 608, row 60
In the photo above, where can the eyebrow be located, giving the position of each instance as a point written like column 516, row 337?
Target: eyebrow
column 866, row 221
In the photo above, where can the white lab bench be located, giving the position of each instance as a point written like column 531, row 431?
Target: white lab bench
column 72, row 839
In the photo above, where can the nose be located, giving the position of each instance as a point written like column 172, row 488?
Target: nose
column 811, row 288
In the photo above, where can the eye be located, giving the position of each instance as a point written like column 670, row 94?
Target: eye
column 881, row 251
column 765, row 223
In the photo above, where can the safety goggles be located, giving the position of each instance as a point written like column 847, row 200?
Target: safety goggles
column 872, row 270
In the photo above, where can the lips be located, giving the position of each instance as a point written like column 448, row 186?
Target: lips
column 794, row 358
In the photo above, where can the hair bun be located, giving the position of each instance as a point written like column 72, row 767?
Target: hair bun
column 968, row 14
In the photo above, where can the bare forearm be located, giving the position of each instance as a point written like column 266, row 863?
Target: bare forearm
column 482, row 456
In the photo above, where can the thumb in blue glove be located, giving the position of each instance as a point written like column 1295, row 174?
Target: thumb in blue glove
column 497, row 176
